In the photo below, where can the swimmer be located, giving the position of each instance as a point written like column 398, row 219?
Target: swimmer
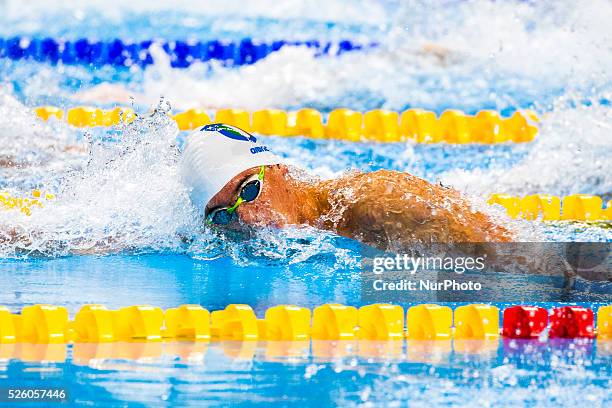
column 235, row 182
column 427, row 53
column 234, row 179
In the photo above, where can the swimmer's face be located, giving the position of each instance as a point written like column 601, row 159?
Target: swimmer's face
column 274, row 206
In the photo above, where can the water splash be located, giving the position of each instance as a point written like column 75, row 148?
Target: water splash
column 127, row 196
column 431, row 56
column 434, row 57
column 30, row 149
column 125, row 193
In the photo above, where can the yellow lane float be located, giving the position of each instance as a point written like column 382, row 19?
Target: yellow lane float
column 285, row 322
column 334, row 322
column 187, row 322
column 576, row 207
column 48, row 324
column 235, row 322
column 476, row 322
column 381, row 322
column 604, row 321
column 429, row 322
column 418, row 125
column 24, row 204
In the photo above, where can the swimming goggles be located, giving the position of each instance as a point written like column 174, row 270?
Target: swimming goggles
column 249, row 191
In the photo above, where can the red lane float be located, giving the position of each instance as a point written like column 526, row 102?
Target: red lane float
column 524, row 322
column 96, row 324
column 571, row 322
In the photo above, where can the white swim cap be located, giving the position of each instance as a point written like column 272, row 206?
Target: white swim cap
column 214, row 154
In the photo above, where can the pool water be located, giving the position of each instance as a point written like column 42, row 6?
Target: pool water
column 122, row 192
column 222, row 374
column 501, row 372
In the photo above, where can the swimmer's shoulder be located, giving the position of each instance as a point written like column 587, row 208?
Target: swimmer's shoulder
column 388, row 177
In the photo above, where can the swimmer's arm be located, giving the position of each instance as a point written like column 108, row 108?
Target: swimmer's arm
column 8, row 236
column 7, row 162
column 394, row 211
column 108, row 93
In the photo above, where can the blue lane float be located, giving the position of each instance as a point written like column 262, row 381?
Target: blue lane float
column 182, row 53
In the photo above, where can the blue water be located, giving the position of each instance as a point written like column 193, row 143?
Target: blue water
column 543, row 56
column 166, row 281
column 504, row 374
column 501, row 373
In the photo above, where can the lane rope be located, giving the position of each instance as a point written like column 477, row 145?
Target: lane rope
column 24, row 204
column 418, row 125
column 546, row 207
column 182, row 54
column 543, row 207
column 95, row 323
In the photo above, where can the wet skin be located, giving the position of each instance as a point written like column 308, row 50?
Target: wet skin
column 389, row 210
column 392, row 211
column 386, row 209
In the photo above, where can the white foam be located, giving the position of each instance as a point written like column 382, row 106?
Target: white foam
column 488, row 54
column 570, row 156
column 127, row 197
column 471, row 55
column 36, row 149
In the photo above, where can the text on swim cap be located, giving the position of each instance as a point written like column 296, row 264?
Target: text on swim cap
column 259, row 149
